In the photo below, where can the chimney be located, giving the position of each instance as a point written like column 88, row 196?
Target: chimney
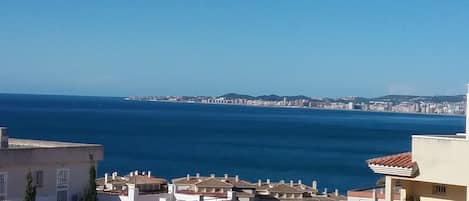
column 299, row 182
column 315, row 185
column 212, row 175
column 136, row 173
column 105, row 178
column 149, row 174
column 467, row 113
column 131, row 174
column 325, row 191
column 197, row 175
column 226, row 176
column 336, row 192
column 236, row 178
column 3, row 138
column 188, row 176
column 282, row 181
column 291, row 183
column 114, row 175
column 267, row 181
column 143, row 173
column 259, row 182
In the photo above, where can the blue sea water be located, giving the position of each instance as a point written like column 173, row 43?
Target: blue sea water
column 174, row 139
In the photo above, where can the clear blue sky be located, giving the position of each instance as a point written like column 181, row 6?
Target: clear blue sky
column 315, row 48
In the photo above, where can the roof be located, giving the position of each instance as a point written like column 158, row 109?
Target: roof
column 184, row 180
column 15, row 143
column 232, row 181
column 141, row 179
column 213, row 182
column 117, row 181
column 397, row 164
column 284, row 188
column 263, row 186
column 124, row 180
column 239, row 183
column 403, row 160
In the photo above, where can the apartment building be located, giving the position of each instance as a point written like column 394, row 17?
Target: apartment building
column 60, row 169
column 281, row 191
column 213, row 188
column 136, row 186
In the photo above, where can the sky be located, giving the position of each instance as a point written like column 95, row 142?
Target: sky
column 328, row 48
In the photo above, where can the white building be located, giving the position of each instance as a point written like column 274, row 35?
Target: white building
column 196, row 188
column 60, row 170
column 136, row 186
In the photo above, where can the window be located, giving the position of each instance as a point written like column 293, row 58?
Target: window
column 3, row 185
column 62, row 178
column 439, row 189
column 62, row 184
column 38, row 178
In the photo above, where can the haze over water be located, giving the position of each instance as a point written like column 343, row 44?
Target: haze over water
column 174, row 139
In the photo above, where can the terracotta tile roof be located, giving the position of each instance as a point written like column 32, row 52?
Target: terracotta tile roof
column 213, row 182
column 229, row 180
column 141, row 179
column 117, row 181
column 284, row 188
column 305, row 188
column 403, row 160
column 239, row 183
column 184, row 180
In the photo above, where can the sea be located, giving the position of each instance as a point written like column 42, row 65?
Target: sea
column 176, row 139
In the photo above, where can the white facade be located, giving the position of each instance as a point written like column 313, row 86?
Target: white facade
column 60, row 170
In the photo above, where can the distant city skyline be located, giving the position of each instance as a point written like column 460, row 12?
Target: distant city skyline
column 312, row 48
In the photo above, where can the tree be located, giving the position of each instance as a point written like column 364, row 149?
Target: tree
column 90, row 192
column 30, row 192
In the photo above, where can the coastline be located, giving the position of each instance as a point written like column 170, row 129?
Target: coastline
column 296, row 107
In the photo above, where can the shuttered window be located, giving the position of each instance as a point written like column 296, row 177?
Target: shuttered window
column 439, row 189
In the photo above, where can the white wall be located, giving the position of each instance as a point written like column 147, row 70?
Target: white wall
column 153, row 197
column 187, row 197
column 78, row 180
column 441, row 160
column 17, row 162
